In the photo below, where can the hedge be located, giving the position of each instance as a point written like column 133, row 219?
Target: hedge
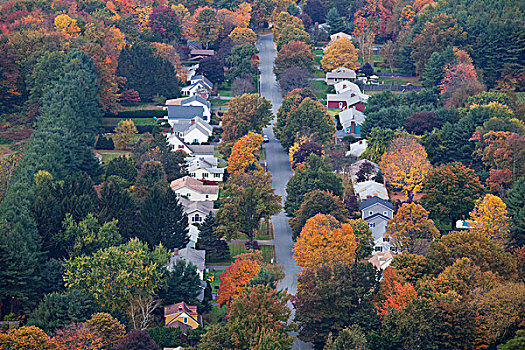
column 142, row 113
column 104, row 142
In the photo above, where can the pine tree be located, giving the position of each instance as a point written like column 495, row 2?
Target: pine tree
column 334, row 21
column 217, row 250
column 117, row 203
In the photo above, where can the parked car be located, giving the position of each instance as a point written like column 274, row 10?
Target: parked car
column 265, row 139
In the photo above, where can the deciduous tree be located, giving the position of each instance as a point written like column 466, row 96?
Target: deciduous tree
column 124, row 133
column 237, row 276
column 394, row 292
column 324, row 241
column 242, row 36
column 164, row 21
column 315, row 176
column 450, row 192
column 248, row 198
column 411, row 229
column 26, row 338
column 340, row 53
column 244, row 153
column 405, row 165
column 317, row 202
column 79, row 336
column 292, row 33
column 516, row 207
column 294, row 54
column 246, row 113
column 489, row 218
column 363, row 237
column 108, row 328
column 137, row 340
column 351, row 338
column 207, row 26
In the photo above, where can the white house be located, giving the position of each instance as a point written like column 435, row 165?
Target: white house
column 351, row 120
column 191, row 131
column 340, row 74
column 190, row 255
column 368, row 189
column 202, row 172
column 376, row 212
column 196, row 211
column 345, row 85
column 190, row 71
column 198, row 88
column 382, row 260
column 357, row 148
column 340, row 35
column 194, row 190
column 202, row 78
column 199, row 102
column 347, row 99
column 177, row 144
column 353, row 170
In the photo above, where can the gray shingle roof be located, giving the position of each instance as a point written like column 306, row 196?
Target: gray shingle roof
column 184, row 112
column 195, row 98
column 373, row 200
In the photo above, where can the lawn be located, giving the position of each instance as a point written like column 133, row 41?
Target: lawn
column 217, row 153
column 239, row 248
column 319, row 88
column 333, row 111
column 262, row 235
column 319, row 74
column 136, row 121
column 216, row 281
column 108, row 155
column 218, row 103
column 318, row 52
column 399, row 80
column 141, row 106
column 317, row 60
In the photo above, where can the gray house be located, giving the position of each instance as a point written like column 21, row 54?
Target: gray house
column 377, row 211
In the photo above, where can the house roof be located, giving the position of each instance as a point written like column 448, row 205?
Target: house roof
column 196, row 98
column 194, row 184
column 351, row 115
column 340, row 35
column 194, row 256
column 373, row 200
column 206, row 162
column 381, row 260
column 196, row 84
column 184, row 112
column 182, row 308
column 370, row 188
column 191, row 206
column 357, row 148
column 202, row 52
column 341, row 73
column 346, row 85
column 202, row 78
column 202, row 150
column 376, row 215
column 348, row 96
column 198, row 127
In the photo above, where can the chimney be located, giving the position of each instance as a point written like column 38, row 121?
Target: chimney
column 192, row 122
column 175, row 252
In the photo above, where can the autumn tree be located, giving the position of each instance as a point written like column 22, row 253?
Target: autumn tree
column 67, row 25
column 301, row 151
column 293, row 54
column 411, row 267
column 244, row 153
column 292, row 33
column 333, row 297
column 516, row 208
column 114, row 275
column 237, row 276
column 294, row 78
column 246, row 113
column 325, row 241
column 394, row 292
column 450, row 192
column 438, row 33
column 108, row 328
column 124, row 132
column 248, row 198
column 317, row 202
column 207, row 26
column 164, row 21
column 316, row 175
column 351, row 338
column 26, row 338
column 482, row 251
column 340, row 53
column 405, row 165
column 137, row 340
column 410, row 229
column 259, row 315
column 243, row 36
column 489, row 218
column 310, row 119
column 79, row 336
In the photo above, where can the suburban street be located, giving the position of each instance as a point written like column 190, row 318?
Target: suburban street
column 279, row 166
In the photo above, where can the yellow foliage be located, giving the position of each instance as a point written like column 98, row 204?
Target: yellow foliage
column 243, row 152
column 67, row 25
column 143, row 14
column 340, row 53
column 243, row 36
column 490, row 219
column 295, row 147
column 325, row 241
column 405, row 165
column 124, row 133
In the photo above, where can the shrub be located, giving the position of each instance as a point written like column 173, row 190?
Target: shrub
column 104, row 142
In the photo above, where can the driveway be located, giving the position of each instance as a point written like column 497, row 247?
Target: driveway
column 279, row 167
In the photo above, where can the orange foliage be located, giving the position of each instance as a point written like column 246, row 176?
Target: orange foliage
column 243, row 152
column 325, row 241
column 27, row 338
column 79, row 336
column 67, row 25
column 237, row 276
column 229, row 20
column 168, row 52
column 396, row 293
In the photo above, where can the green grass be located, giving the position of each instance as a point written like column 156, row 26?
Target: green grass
column 333, row 111
column 136, row 121
column 141, row 106
column 267, row 251
column 318, row 52
column 219, row 103
column 319, row 88
column 217, row 153
column 399, row 80
column 262, row 154
column 319, row 74
column 216, row 281
column 317, row 60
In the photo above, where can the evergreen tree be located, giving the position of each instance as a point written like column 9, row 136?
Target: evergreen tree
column 147, row 73
column 118, row 203
column 122, row 166
column 183, row 283
column 334, row 21
column 217, row 250
column 162, row 219
column 516, row 206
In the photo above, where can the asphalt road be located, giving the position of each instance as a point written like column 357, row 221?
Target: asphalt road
column 279, row 167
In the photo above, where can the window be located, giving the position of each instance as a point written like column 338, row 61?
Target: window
column 340, row 104
column 378, row 249
column 216, row 175
column 188, row 194
column 181, row 146
column 386, row 239
column 372, row 224
column 197, row 218
column 206, row 196
column 370, row 213
column 205, row 175
column 394, row 249
column 385, row 213
column 192, row 174
column 185, row 320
